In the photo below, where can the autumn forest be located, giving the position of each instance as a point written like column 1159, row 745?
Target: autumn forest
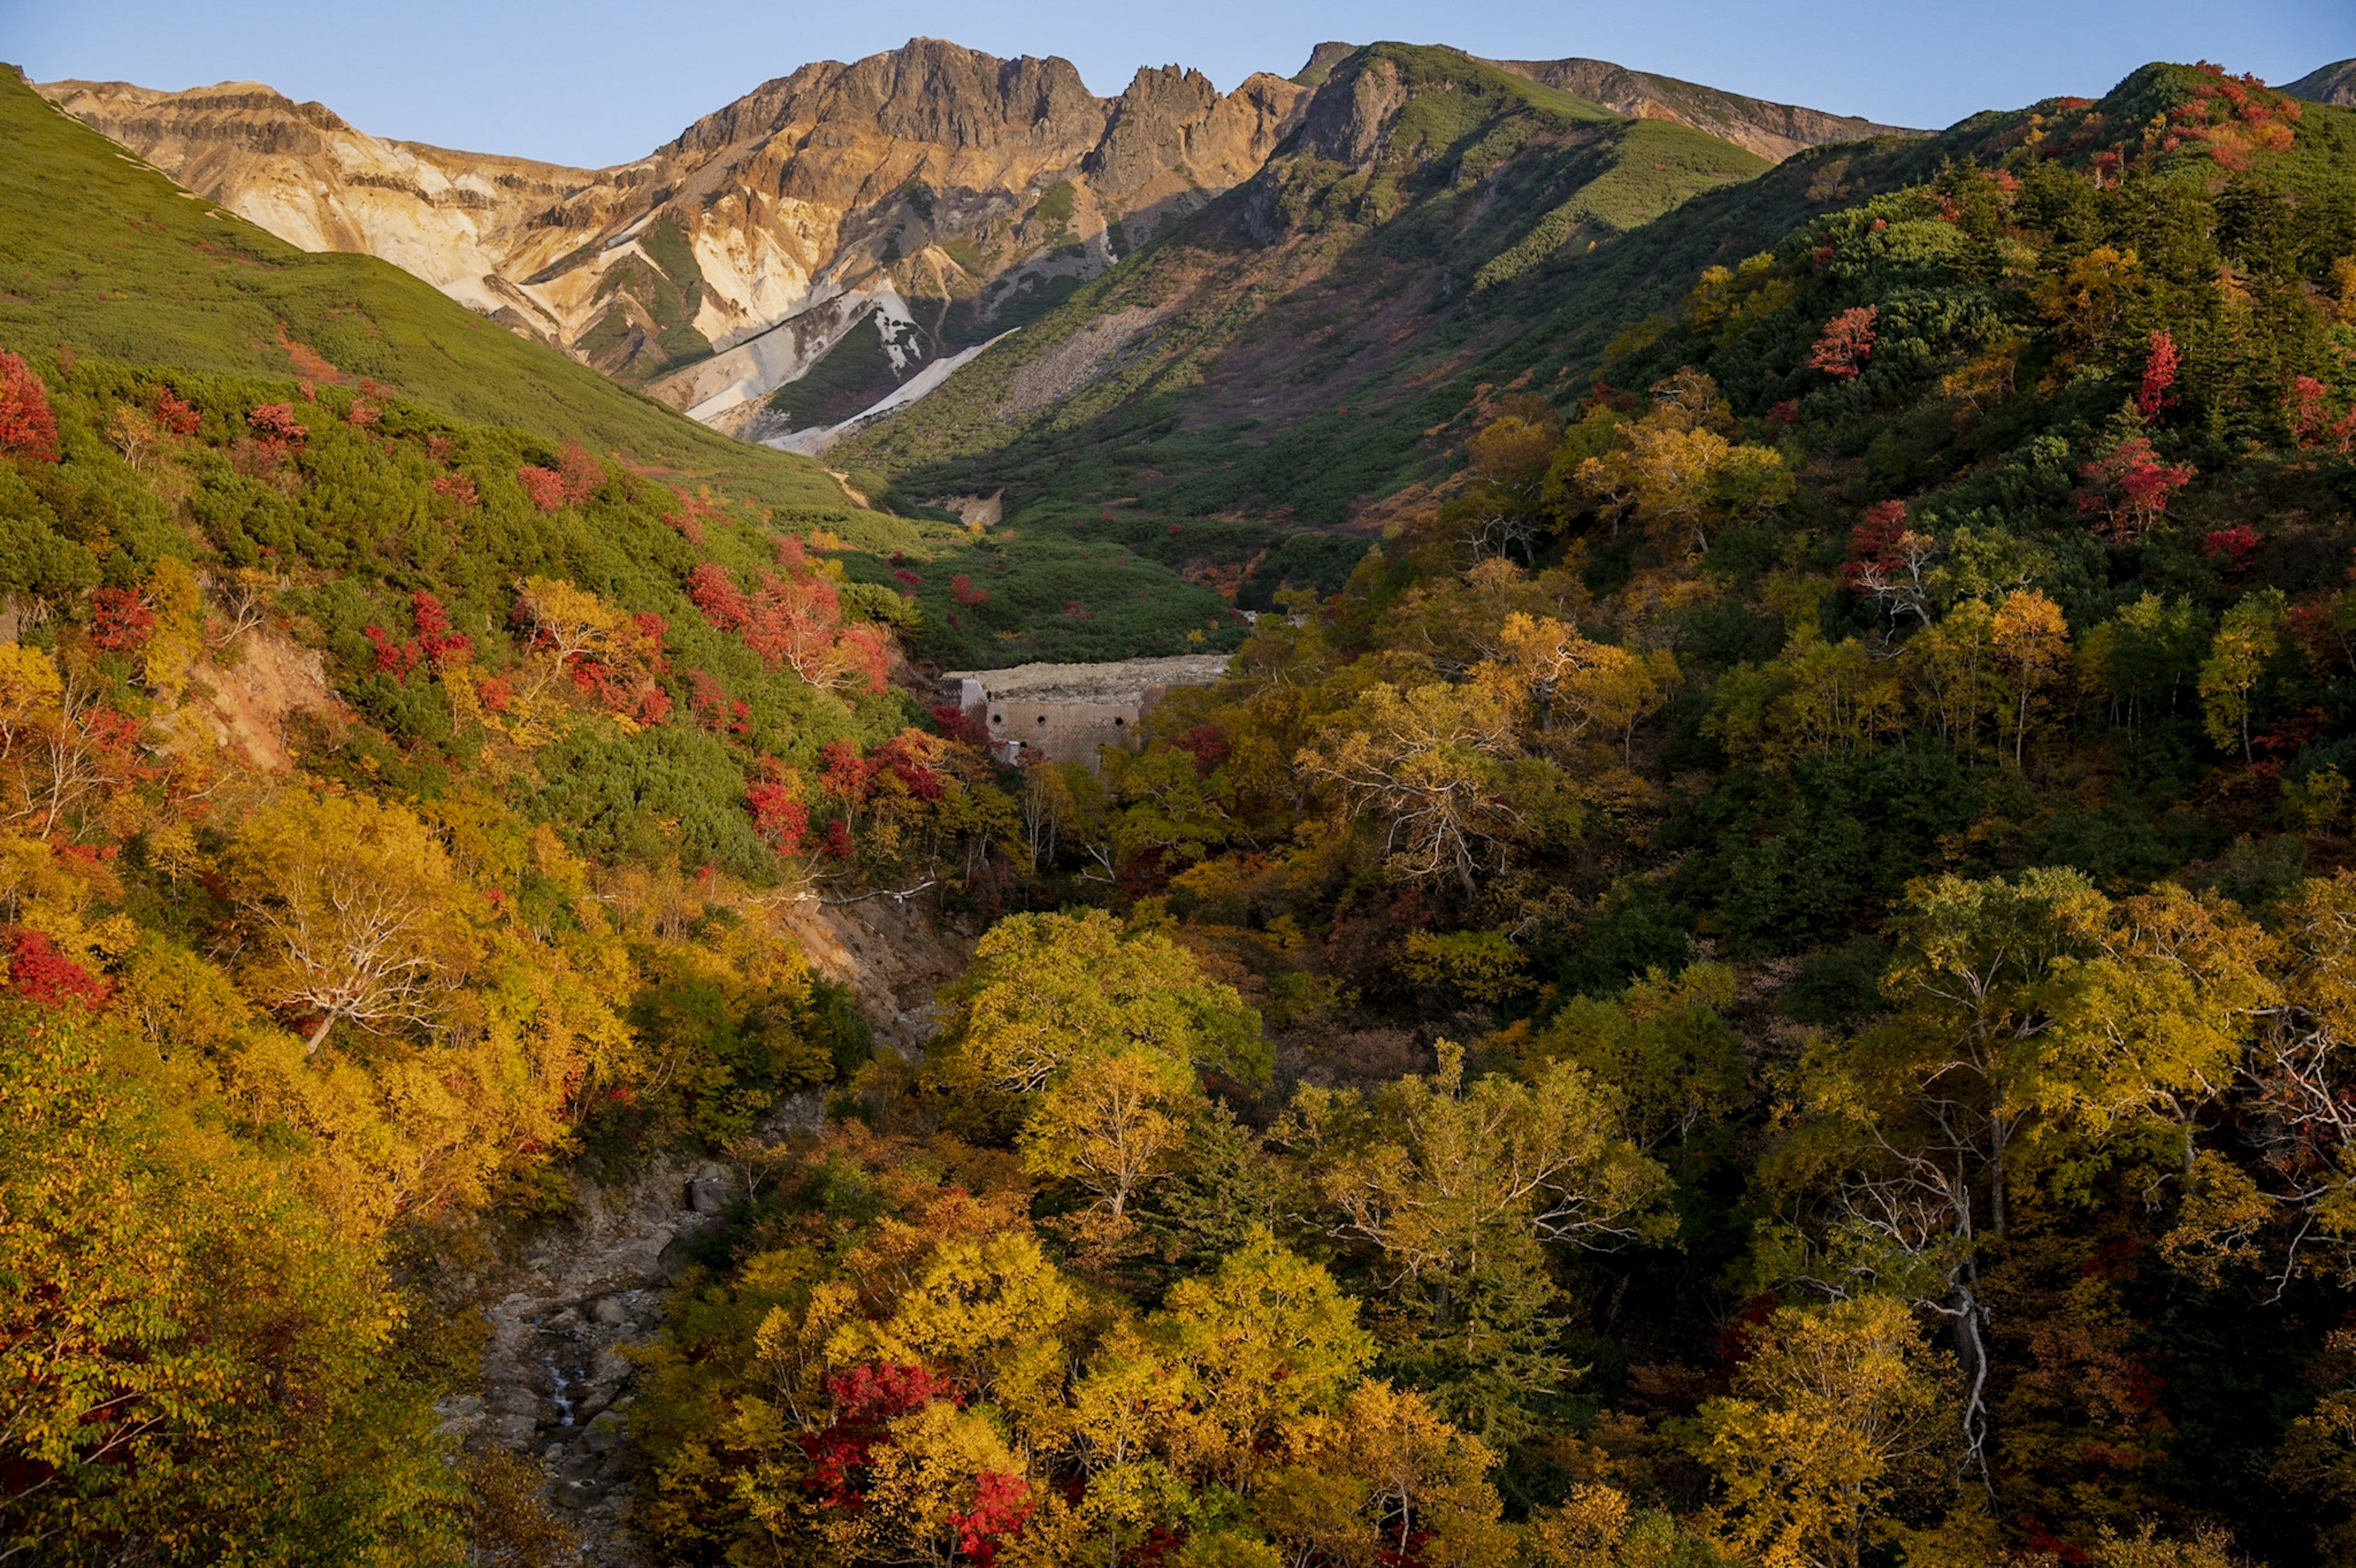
column 1753, row 961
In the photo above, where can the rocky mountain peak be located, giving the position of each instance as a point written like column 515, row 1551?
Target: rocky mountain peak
column 931, row 172
column 933, row 195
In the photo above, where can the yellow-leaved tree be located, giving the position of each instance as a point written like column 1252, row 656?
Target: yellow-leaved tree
column 1047, row 992
column 356, row 912
column 1840, row 1413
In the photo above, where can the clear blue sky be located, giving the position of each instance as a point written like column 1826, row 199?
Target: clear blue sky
column 595, row 82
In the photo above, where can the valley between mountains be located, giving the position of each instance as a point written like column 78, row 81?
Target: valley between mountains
column 1448, row 813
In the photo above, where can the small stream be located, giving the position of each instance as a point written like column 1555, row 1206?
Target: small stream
column 558, row 1383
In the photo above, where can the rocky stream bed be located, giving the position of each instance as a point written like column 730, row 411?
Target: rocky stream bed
column 564, row 1304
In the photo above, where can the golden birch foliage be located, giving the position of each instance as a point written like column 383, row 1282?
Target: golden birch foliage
column 1121, row 1406
column 356, row 909
column 2154, row 1020
column 1582, row 685
column 1227, row 1549
column 1424, row 1167
column 2030, row 642
column 1816, row 697
column 2087, row 295
column 2248, row 637
column 1420, row 1475
column 30, row 692
column 1949, row 668
column 1110, row 1124
column 1664, row 1045
column 1424, row 762
column 1266, row 1338
column 572, row 623
column 2207, row 1547
column 188, row 1355
column 1676, row 470
column 2318, row 1457
column 179, row 636
column 1045, row 991
column 1584, row 1531
column 977, row 1306
column 1840, row 1411
column 1315, row 1516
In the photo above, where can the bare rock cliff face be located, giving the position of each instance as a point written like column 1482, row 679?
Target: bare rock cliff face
column 947, row 182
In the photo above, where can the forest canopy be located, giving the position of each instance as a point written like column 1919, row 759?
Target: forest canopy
column 1764, row 983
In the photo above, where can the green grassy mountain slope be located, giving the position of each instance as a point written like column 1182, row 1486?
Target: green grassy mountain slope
column 101, row 255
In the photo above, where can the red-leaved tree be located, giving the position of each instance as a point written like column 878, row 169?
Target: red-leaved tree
column 175, row 414
column 27, row 428
column 2311, row 421
column 2159, row 368
column 435, row 643
column 1001, row 1507
column 2128, row 487
column 40, row 974
column 780, row 815
column 1886, row 561
column 2234, row 546
column 544, row 487
column 273, row 425
column 119, row 620
column 1847, row 344
column 793, row 622
column 580, row 473
column 867, row 1399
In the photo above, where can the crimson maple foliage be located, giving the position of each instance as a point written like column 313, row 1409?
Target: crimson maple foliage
column 580, row 473
column 40, row 974
column 1001, row 1507
column 175, row 414
column 121, row 620
column 435, row 643
column 779, row 816
column 2158, row 376
column 2312, row 422
column 544, row 487
column 2234, row 546
column 273, row 425
column 2129, row 487
column 867, row 1399
column 27, row 428
column 793, row 621
column 1846, row 343
column 1874, row 542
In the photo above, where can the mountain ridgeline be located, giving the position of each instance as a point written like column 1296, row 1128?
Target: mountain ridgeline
column 937, row 194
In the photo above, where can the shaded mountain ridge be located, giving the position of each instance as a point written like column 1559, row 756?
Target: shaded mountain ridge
column 2334, row 83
